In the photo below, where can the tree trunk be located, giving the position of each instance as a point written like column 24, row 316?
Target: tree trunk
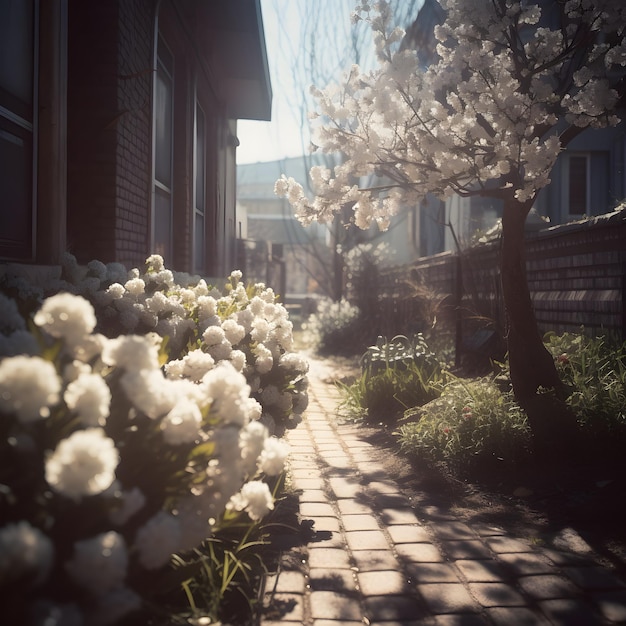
column 531, row 365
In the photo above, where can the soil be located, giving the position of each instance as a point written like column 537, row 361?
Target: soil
column 581, row 506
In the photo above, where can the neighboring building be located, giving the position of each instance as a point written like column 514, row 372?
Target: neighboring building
column 272, row 231
column 118, row 128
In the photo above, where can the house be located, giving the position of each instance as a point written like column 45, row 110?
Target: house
column 271, row 233
column 118, row 128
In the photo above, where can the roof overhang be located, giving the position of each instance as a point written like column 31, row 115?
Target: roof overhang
column 241, row 56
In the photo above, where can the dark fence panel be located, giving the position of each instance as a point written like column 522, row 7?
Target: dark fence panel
column 576, row 275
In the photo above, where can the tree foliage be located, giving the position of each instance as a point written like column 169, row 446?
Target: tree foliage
column 512, row 84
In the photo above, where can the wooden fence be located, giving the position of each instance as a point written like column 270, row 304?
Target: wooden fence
column 576, row 275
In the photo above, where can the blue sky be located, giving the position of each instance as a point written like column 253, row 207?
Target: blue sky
column 282, row 137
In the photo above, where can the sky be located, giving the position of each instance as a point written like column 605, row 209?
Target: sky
column 282, row 19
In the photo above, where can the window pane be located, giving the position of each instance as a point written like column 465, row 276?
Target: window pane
column 16, row 56
column 577, row 185
column 200, row 165
column 162, row 224
column 15, row 192
column 198, row 244
column 163, row 129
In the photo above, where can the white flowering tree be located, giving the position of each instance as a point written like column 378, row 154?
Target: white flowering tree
column 512, row 84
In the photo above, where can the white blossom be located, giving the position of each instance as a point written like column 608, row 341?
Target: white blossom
column 255, row 498
column 25, row 551
column 66, row 316
column 273, row 456
column 99, row 564
column 89, row 397
column 29, row 387
column 157, row 540
column 182, row 423
column 83, row 464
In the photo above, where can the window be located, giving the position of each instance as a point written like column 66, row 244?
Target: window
column 577, row 185
column 17, row 128
column 163, row 145
column 199, row 190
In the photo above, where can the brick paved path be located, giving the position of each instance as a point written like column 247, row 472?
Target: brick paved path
column 378, row 558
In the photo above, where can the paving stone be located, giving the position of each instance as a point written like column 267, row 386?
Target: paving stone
column 333, row 622
column 560, row 557
column 316, row 509
column 308, row 483
column 447, row 598
column 330, row 558
column 496, row 594
column 593, row 578
column 391, row 517
column 570, row 612
column 419, row 552
column 313, row 495
column 286, row 582
column 432, row 572
column 285, row 606
column 382, row 583
column 487, row 530
column 435, row 512
column 402, row 533
column 340, row 580
column 466, row 549
column 372, row 470
column 345, row 487
column 516, row 616
column 502, row 545
column 360, row 522
column 384, row 486
column 339, row 463
column 612, row 604
column 367, row 540
column 389, row 500
column 547, row 587
column 374, row 560
column 460, row 619
column 305, row 473
column 453, row 530
column 335, row 606
column 481, row 571
column 428, row 621
column 350, row 507
column 526, row 563
column 386, row 608
column 326, row 524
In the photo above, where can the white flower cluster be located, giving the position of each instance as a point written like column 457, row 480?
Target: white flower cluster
column 202, row 326
column 487, row 117
column 110, row 466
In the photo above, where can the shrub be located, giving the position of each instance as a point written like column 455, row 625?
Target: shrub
column 123, row 469
column 396, row 375
column 594, row 370
column 470, row 426
column 201, row 326
column 335, row 328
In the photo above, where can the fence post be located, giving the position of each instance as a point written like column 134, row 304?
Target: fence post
column 458, row 298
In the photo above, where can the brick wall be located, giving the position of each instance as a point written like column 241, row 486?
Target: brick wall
column 134, row 131
column 576, row 275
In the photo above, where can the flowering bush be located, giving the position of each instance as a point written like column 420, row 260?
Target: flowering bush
column 335, row 327
column 201, row 326
column 472, row 424
column 108, row 466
